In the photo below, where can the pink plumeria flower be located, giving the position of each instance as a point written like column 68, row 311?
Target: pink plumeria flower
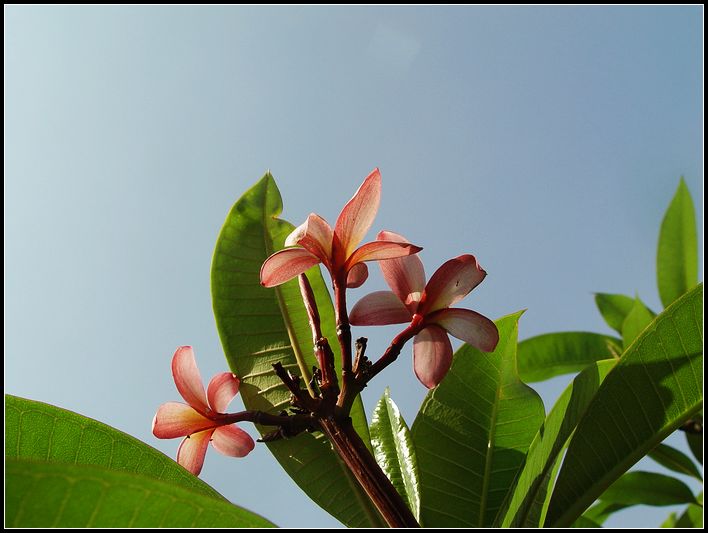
column 202, row 420
column 338, row 250
column 427, row 307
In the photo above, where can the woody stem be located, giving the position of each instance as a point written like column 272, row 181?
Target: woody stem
column 371, row 478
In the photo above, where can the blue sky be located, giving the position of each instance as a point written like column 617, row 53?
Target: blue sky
column 547, row 141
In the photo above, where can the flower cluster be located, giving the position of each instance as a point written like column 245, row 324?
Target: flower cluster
column 202, row 419
column 426, row 307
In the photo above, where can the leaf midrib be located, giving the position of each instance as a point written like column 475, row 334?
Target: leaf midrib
column 304, row 372
column 624, row 465
column 490, row 452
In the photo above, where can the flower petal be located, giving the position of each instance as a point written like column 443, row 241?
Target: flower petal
column 357, row 276
column 221, row 390
column 359, row 213
column 432, row 355
column 451, row 282
column 232, row 441
column 284, row 265
column 405, row 275
column 378, row 309
column 475, row 329
column 174, row 419
column 380, row 250
column 315, row 235
column 191, row 452
column 188, row 380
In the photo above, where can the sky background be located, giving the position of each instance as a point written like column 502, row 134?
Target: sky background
column 546, row 141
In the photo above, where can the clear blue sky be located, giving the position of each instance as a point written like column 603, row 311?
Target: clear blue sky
column 546, row 141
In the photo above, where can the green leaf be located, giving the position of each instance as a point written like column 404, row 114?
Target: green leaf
column 553, row 354
column 677, row 254
column 260, row 326
column 695, row 440
column 670, row 521
column 691, row 517
column 614, row 308
column 638, row 318
column 675, row 460
column 472, row 433
column 648, row 488
column 584, row 522
column 394, row 451
column 524, row 507
column 43, row 494
column 601, row 511
column 43, row 432
column 655, row 387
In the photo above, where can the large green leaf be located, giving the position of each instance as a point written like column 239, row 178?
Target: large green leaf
column 524, row 507
column 638, row 318
column 648, row 488
column 552, row 354
column 44, row 494
column 43, row 432
column 675, row 460
column 394, row 451
column 259, row 327
column 472, row 434
column 655, row 387
column 677, row 254
column 614, row 308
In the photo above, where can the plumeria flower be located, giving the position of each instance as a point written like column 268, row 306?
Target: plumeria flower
column 338, row 250
column 427, row 307
column 202, row 419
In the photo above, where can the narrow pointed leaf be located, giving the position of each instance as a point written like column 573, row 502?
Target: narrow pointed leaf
column 675, row 460
column 655, row 387
column 614, row 308
column 43, row 432
column 638, row 318
column 670, row 521
column 677, row 254
column 553, row 354
column 692, row 517
column 648, row 488
column 42, row 495
column 472, row 434
column 602, row 510
column 260, row 326
column 394, row 451
column 524, row 506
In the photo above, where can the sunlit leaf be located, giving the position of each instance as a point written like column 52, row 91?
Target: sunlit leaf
column 260, row 326
column 46, row 494
column 677, row 254
column 692, row 517
column 472, row 433
column 394, row 451
column 524, row 508
column 655, row 387
column 43, row 432
column 553, row 354
column 614, row 308
column 638, row 318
